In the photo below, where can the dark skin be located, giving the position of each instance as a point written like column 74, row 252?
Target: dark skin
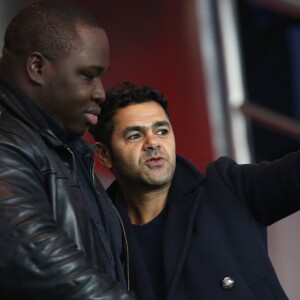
column 70, row 89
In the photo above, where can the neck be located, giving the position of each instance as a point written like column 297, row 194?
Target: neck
column 13, row 72
column 143, row 206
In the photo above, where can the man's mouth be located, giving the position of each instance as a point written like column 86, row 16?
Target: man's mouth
column 155, row 161
column 92, row 114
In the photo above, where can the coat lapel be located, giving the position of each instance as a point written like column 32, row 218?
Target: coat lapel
column 178, row 232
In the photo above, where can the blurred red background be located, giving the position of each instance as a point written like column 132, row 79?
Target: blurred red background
column 156, row 43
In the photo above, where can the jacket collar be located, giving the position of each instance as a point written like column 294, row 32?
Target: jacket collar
column 186, row 180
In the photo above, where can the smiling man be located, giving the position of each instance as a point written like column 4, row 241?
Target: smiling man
column 60, row 236
column 190, row 235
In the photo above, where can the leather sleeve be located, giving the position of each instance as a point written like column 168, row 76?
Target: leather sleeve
column 37, row 259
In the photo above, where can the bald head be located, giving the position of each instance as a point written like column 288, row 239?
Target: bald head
column 55, row 54
column 48, row 27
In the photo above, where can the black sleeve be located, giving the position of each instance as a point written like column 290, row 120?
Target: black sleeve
column 37, row 259
column 271, row 190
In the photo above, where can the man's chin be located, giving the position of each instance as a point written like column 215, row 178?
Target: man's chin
column 74, row 135
column 155, row 182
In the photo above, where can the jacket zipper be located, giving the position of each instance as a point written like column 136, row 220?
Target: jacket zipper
column 125, row 246
column 123, row 230
column 73, row 160
column 92, row 170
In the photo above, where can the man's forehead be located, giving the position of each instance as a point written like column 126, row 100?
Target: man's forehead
column 142, row 114
column 145, row 108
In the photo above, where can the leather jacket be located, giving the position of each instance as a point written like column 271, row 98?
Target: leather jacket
column 49, row 248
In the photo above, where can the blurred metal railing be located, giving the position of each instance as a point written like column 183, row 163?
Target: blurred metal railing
column 270, row 119
column 219, row 42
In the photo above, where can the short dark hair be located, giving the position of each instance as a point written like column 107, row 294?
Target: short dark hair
column 48, row 27
column 121, row 96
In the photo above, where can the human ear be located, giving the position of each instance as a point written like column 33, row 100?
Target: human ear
column 103, row 155
column 35, row 66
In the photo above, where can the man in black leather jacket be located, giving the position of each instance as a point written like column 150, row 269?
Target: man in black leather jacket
column 60, row 235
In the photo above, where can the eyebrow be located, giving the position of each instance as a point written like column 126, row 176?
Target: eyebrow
column 100, row 70
column 141, row 128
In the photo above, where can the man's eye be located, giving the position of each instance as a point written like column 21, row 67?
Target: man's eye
column 133, row 137
column 88, row 76
column 162, row 132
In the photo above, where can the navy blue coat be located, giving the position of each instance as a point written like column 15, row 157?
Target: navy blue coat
column 216, row 228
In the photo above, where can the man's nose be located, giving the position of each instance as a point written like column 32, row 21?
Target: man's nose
column 151, row 142
column 98, row 92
